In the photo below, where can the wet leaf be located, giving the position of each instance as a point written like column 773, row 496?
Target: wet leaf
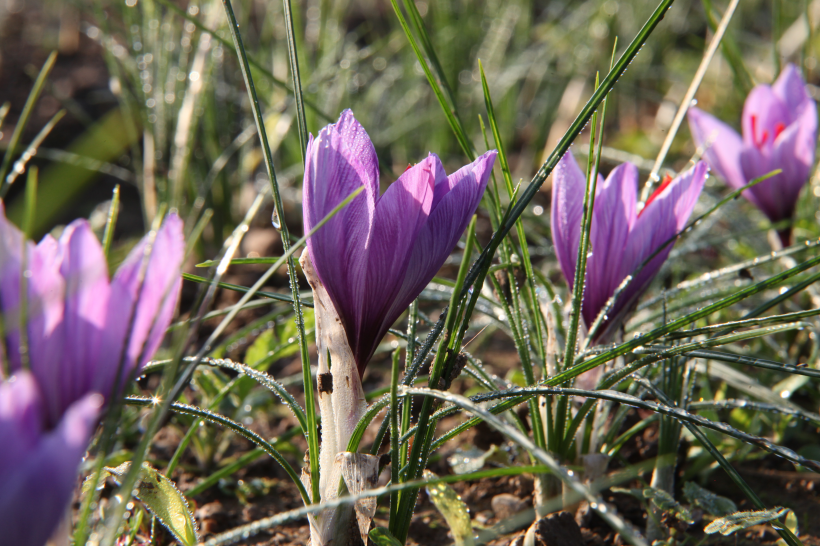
column 743, row 520
column 711, row 503
column 665, row 502
column 453, row 509
column 161, row 497
column 382, row 537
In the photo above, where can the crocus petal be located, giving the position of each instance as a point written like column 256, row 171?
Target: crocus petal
column 448, row 220
column 794, row 149
column 612, row 220
column 37, row 480
column 765, row 195
column 83, row 266
column 568, row 187
column 791, row 90
column 339, row 161
column 763, row 113
column 143, row 296
column 400, row 213
column 722, row 147
column 44, row 316
column 658, row 222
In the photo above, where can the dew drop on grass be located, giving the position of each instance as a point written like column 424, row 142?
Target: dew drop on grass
column 274, row 219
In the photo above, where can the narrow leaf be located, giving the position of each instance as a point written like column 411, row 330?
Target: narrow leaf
column 743, row 520
column 453, row 509
column 708, row 501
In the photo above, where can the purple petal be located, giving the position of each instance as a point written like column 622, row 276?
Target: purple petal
column 448, row 220
column 38, row 476
column 143, row 298
column 791, row 90
column 444, row 183
column 612, row 220
column 339, row 161
column 722, row 147
column 46, row 336
column 764, row 116
column 765, row 195
column 568, row 187
column 400, row 213
column 84, row 268
column 793, row 153
column 662, row 219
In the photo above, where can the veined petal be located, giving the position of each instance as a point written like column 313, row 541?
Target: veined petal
column 722, row 146
column 666, row 216
column 450, row 217
column 568, row 187
column 612, row 220
column 764, row 195
column 144, row 292
column 44, row 316
column 793, row 153
column 764, row 116
column 84, row 268
column 791, row 90
column 339, row 161
column 36, row 482
column 400, row 213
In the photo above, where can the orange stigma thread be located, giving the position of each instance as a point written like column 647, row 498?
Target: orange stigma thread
column 666, row 181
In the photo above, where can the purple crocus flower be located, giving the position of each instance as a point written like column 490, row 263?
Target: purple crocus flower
column 779, row 132
column 376, row 255
column 81, row 333
column 622, row 237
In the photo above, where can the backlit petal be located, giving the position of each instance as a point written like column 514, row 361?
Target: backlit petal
column 612, row 220
column 568, row 187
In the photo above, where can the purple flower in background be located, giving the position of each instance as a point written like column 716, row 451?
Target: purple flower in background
column 81, row 333
column 376, row 255
column 621, row 238
column 779, row 132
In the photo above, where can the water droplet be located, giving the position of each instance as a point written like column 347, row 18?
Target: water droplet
column 274, row 219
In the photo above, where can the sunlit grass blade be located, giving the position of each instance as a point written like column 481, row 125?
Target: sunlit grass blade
column 111, row 219
column 731, row 52
column 296, row 78
column 448, row 108
column 260, row 67
column 22, row 122
column 279, row 213
column 30, row 151
column 687, row 98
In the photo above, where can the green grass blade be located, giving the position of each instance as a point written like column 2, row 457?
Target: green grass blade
column 310, row 406
column 293, row 58
column 25, row 115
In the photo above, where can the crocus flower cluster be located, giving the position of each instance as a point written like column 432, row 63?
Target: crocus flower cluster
column 80, row 338
column 622, row 237
column 779, row 126
column 377, row 254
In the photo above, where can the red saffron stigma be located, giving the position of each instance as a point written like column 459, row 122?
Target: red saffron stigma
column 409, row 166
column 778, row 129
column 667, row 179
column 764, row 136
